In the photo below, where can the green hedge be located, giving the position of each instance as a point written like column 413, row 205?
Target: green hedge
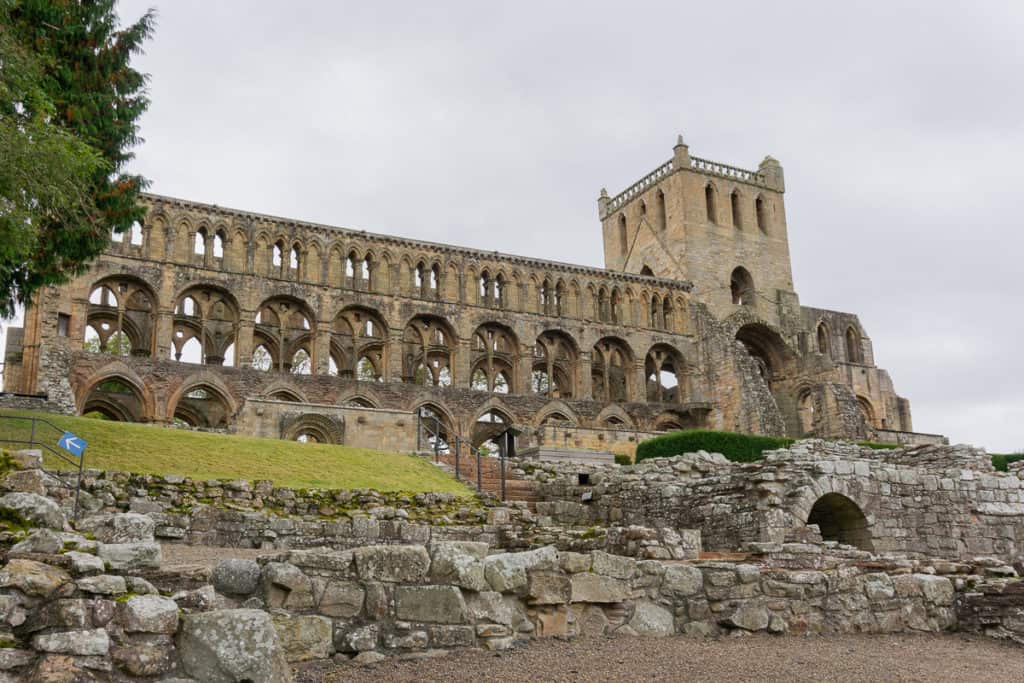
column 735, row 447
column 1001, row 461
column 623, row 459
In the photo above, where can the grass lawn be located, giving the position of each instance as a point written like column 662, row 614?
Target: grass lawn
column 150, row 449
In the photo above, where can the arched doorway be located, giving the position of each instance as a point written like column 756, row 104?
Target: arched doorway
column 840, row 519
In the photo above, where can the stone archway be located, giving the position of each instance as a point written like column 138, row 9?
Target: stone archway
column 842, row 520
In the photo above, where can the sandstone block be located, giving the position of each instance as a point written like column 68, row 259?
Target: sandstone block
column 549, row 588
column 131, row 556
column 236, row 577
column 431, row 604
column 600, row 589
column 615, row 566
column 682, row 580
column 397, row 564
column 145, row 656
column 92, row 642
column 506, row 572
column 227, row 646
column 39, row 541
column 33, row 578
column 459, row 563
column 149, row 614
column 937, row 590
column 104, row 584
column 342, row 599
column 651, row 619
column 304, row 637
column 749, row 616
column 34, row 508
column 284, row 585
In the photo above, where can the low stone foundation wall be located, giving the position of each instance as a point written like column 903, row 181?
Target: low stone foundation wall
column 76, row 619
column 929, row 501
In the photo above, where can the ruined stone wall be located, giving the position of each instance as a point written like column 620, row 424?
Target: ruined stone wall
column 203, row 303
column 936, row 501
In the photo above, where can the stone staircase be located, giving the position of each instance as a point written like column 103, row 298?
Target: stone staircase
column 516, row 488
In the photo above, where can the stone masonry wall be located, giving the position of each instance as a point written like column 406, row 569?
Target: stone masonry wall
column 939, row 501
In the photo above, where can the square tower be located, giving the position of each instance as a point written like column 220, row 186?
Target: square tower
column 721, row 227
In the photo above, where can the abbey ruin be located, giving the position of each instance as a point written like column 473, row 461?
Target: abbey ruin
column 225, row 319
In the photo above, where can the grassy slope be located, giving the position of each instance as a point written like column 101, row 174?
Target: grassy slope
column 158, row 450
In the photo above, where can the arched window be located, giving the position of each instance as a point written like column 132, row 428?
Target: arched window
column 643, row 209
column 662, row 217
column 116, row 236
column 623, row 239
column 261, row 358
column 136, row 234
column 854, row 350
column 667, row 316
column 741, row 284
column 427, row 350
column 709, row 203
column 218, row 244
column 824, row 340
column 762, row 214
column 199, row 246
column 293, row 258
column 277, row 257
column 554, row 365
column 734, row 200
column 665, row 373
column 611, row 359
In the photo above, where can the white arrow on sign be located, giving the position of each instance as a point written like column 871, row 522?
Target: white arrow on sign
column 71, row 442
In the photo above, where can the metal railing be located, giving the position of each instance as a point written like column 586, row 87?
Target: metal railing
column 36, row 432
column 435, row 430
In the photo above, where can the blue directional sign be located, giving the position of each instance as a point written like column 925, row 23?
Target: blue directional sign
column 75, row 445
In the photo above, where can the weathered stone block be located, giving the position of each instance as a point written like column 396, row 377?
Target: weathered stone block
column 227, row 646
column 430, row 604
column 548, row 588
column 304, row 637
column 506, row 572
column 342, row 599
column 596, row 588
column 149, row 614
column 397, row 564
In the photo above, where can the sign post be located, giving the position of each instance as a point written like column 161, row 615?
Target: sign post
column 75, row 445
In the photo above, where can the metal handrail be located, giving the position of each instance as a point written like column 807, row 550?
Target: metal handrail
column 34, row 441
column 422, row 423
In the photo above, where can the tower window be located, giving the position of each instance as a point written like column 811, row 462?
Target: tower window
column 709, row 203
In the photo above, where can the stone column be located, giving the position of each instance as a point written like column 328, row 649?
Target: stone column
column 584, row 387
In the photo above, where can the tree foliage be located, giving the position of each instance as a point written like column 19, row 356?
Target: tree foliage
column 69, row 106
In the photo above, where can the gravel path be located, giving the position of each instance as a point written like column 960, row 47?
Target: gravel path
column 934, row 659
column 178, row 554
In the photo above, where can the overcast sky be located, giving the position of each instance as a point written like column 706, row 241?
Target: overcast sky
column 494, row 125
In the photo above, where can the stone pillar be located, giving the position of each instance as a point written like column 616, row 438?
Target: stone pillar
column 321, row 349
column 243, row 348
column 584, row 387
column 638, row 392
column 462, row 353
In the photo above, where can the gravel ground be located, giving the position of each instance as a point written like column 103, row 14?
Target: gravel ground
column 178, row 554
column 935, row 659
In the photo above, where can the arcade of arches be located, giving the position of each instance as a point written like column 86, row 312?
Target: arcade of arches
column 208, row 310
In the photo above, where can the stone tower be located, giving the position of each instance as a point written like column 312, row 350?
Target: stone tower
column 720, row 227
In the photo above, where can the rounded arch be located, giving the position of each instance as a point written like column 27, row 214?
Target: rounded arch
column 554, row 368
column 359, row 347
column 284, row 326
column 284, row 392
column 675, row 420
column 359, row 400
column 554, row 408
column 840, row 519
column 666, row 374
column 314, row 428
column 767, row 347
column 122, row 315
column 428, row 349
column 435, row 424
column 867, row 411
column 117, row 397
column 494, row 360
column 209, row 314
column 202, row 401
column 611, row 364
column 614, row 416
column 741, row 287
column 118, row 371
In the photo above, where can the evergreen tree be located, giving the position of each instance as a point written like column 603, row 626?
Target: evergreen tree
column 89, row 94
